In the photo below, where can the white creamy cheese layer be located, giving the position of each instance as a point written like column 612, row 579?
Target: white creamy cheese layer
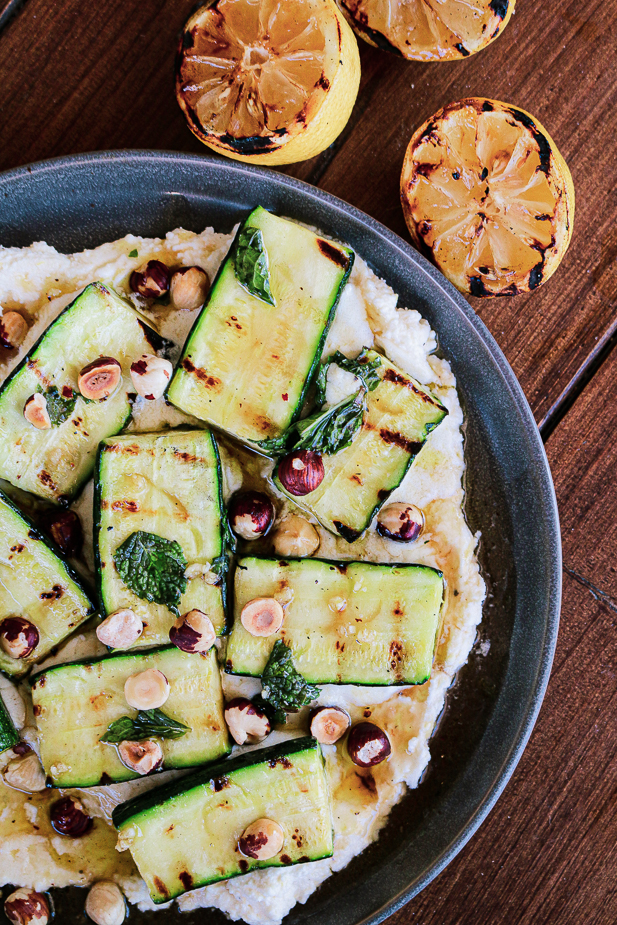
column 40, row 281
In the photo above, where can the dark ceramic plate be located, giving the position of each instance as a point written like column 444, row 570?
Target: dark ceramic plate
column 79, row 202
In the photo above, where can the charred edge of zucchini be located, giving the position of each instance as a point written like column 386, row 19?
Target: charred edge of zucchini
column 35, row 534
column 112, row 656
column 272, row 755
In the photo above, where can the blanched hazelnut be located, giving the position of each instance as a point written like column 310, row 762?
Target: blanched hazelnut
column 36, row 413
column 141, row 757
column 27, row 907
column 262, row 616
column 105, row 903
column 248, row 723
column 18, row 637
column 13, row 329
column 25, row 773
column 329, row 724
column 368, row 745
column 301, row 472
column 147, row 690
column 251, row 514
column 295, row 537
column 152, row 281
column 64, row 527
column 99, row 379
column 120, row 629
column 189, row 288
column 261, row 840
column 193, row 632
column 68, row 817
column 150, row 376
column 401, row 522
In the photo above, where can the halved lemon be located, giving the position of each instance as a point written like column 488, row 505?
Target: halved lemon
column 429, row 30
column 267, row 81
column 488, row 197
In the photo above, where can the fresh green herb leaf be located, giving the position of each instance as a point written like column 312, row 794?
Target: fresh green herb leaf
column 145, row 725
column 153, row 568
column 276, row 446
column 229, row 538
column 133, row 253
column 60, row 405
column 251, row 262
column 334, row 429
column 282, row 686
column 220, row 566
column 360, row 366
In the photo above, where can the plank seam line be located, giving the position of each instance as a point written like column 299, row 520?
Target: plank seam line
column 9, row 11
column 595, row 592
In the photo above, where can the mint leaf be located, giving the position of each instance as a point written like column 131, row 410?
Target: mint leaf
column 332, row 430
column 276, row 446
column 251, row 263
column 133, row 253
column 361, row 367
column 145, row 725
column 60, row 405
column 153, row 568
column 283, row 687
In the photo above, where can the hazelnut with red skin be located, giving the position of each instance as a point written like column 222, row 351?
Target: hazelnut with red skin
column 152, row 281
column 27, row 907
column 368, row 745
column 261, row 840
column 329, row 724
column 301, row 472
column 193, row 632
column 18, row 637
column 248, row 723
column 251, row 514
column 36, row 413
column 400, row 522
column 64, row 527
column 99, row 379
column 68, row 817
column 13, row 329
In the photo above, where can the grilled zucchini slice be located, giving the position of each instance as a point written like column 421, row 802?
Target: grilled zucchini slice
column 185, row 834
column 167, row 484
column 247, row 363
column 346, row 622
column 37, row 584
column 359, row 479
column 54, row 463
column 75, row 703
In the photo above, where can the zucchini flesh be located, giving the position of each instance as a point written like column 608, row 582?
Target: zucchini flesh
column 36, row 583
column 347, row 622
column 246, row 365
column 55, row 463
column 184, row 835
column 8, row 734
column 75, row 703
column 168, row 484
column 359, row 479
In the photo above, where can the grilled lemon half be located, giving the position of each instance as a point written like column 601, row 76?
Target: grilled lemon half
column 488, row 197
column 267, row 81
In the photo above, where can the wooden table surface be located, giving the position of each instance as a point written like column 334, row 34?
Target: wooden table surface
column 82, row 76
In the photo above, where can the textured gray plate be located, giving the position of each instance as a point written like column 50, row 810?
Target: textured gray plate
column 82, row 201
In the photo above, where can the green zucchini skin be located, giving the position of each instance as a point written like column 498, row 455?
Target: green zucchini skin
column 281, row 782
column 8, row 734
column 168, row 461
column 248, row 391
column 347, row 622
column 359, row 479
column 36, row 461
column 76, row 702
column 37, row 569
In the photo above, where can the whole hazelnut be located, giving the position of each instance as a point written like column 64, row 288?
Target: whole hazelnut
column 295, row 538
column 105, row 903
column 68, row 817
column 368, row 745
column 329, row 724
column 248, row 723
column 400, row 522
column 18, row 637
column 120, row 629
column 262, row 616
column 13, row 329
column 27, row 907
column 193, row 632
column 141, row 757
column 100, row 378
column 261, row 840
column 64, row 527
column 189, row 288
column 36, row 413
column 301, row 472
column 251, row 514
column 150, row 376
column 147, row 690
column 25, row 773
column 152, row 281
